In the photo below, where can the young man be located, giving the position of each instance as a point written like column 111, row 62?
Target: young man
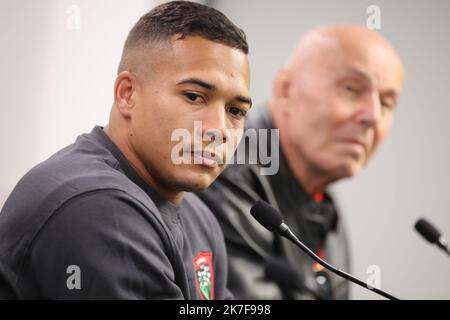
column 108, row 216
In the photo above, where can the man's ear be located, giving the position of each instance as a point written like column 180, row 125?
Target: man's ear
column 124, row 89
column 282, row 85
column 282, row 90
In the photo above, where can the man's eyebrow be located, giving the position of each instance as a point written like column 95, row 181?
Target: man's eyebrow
column 361, row 74
column 246, row 100
column 391, row 92
column 198, row 82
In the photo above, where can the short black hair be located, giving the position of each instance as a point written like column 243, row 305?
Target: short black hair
column 184, row 18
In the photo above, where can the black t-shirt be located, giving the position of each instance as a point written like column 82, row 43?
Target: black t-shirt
column 83, row 224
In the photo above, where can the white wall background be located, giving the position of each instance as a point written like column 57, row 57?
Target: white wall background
column 57, row 83
column 56, row 80
column 410, row 175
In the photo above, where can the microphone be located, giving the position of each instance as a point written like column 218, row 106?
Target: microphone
column 430, row 233
column 271, row 219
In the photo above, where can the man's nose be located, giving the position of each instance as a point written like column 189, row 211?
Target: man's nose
column 370, row 112
column 215, row 125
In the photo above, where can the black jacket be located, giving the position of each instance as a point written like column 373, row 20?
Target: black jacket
column 263, row 265
column 84, row 225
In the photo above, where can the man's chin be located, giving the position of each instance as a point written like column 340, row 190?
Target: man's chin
column 196, row 182
column 350, row 170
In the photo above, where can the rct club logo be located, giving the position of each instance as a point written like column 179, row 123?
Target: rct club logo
column 204, row 275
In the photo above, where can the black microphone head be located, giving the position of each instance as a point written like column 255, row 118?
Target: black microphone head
column 266, row 215
column 427, row 230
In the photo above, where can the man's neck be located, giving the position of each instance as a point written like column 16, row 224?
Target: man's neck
column 138, row 166
column 312, row 180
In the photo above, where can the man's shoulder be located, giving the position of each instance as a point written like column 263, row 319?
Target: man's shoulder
column 59, row 180
column 78, row 168
column 238, row 183
column 239, row 176
column 109, row 235
column 100, row 208
column 82, row 174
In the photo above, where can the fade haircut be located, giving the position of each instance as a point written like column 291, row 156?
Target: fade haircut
column 182, row 18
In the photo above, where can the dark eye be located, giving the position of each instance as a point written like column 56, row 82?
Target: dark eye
column 388, row 105
column 194, row 97
column 350, row 88
column 237, row 112
column 352, row 91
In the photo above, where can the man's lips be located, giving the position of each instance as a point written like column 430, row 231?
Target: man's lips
column 207, row 158
column 356, row 142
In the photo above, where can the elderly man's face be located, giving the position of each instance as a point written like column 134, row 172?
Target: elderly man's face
column 341, row 106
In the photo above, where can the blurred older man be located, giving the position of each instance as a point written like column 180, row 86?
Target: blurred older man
column 333, row 104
